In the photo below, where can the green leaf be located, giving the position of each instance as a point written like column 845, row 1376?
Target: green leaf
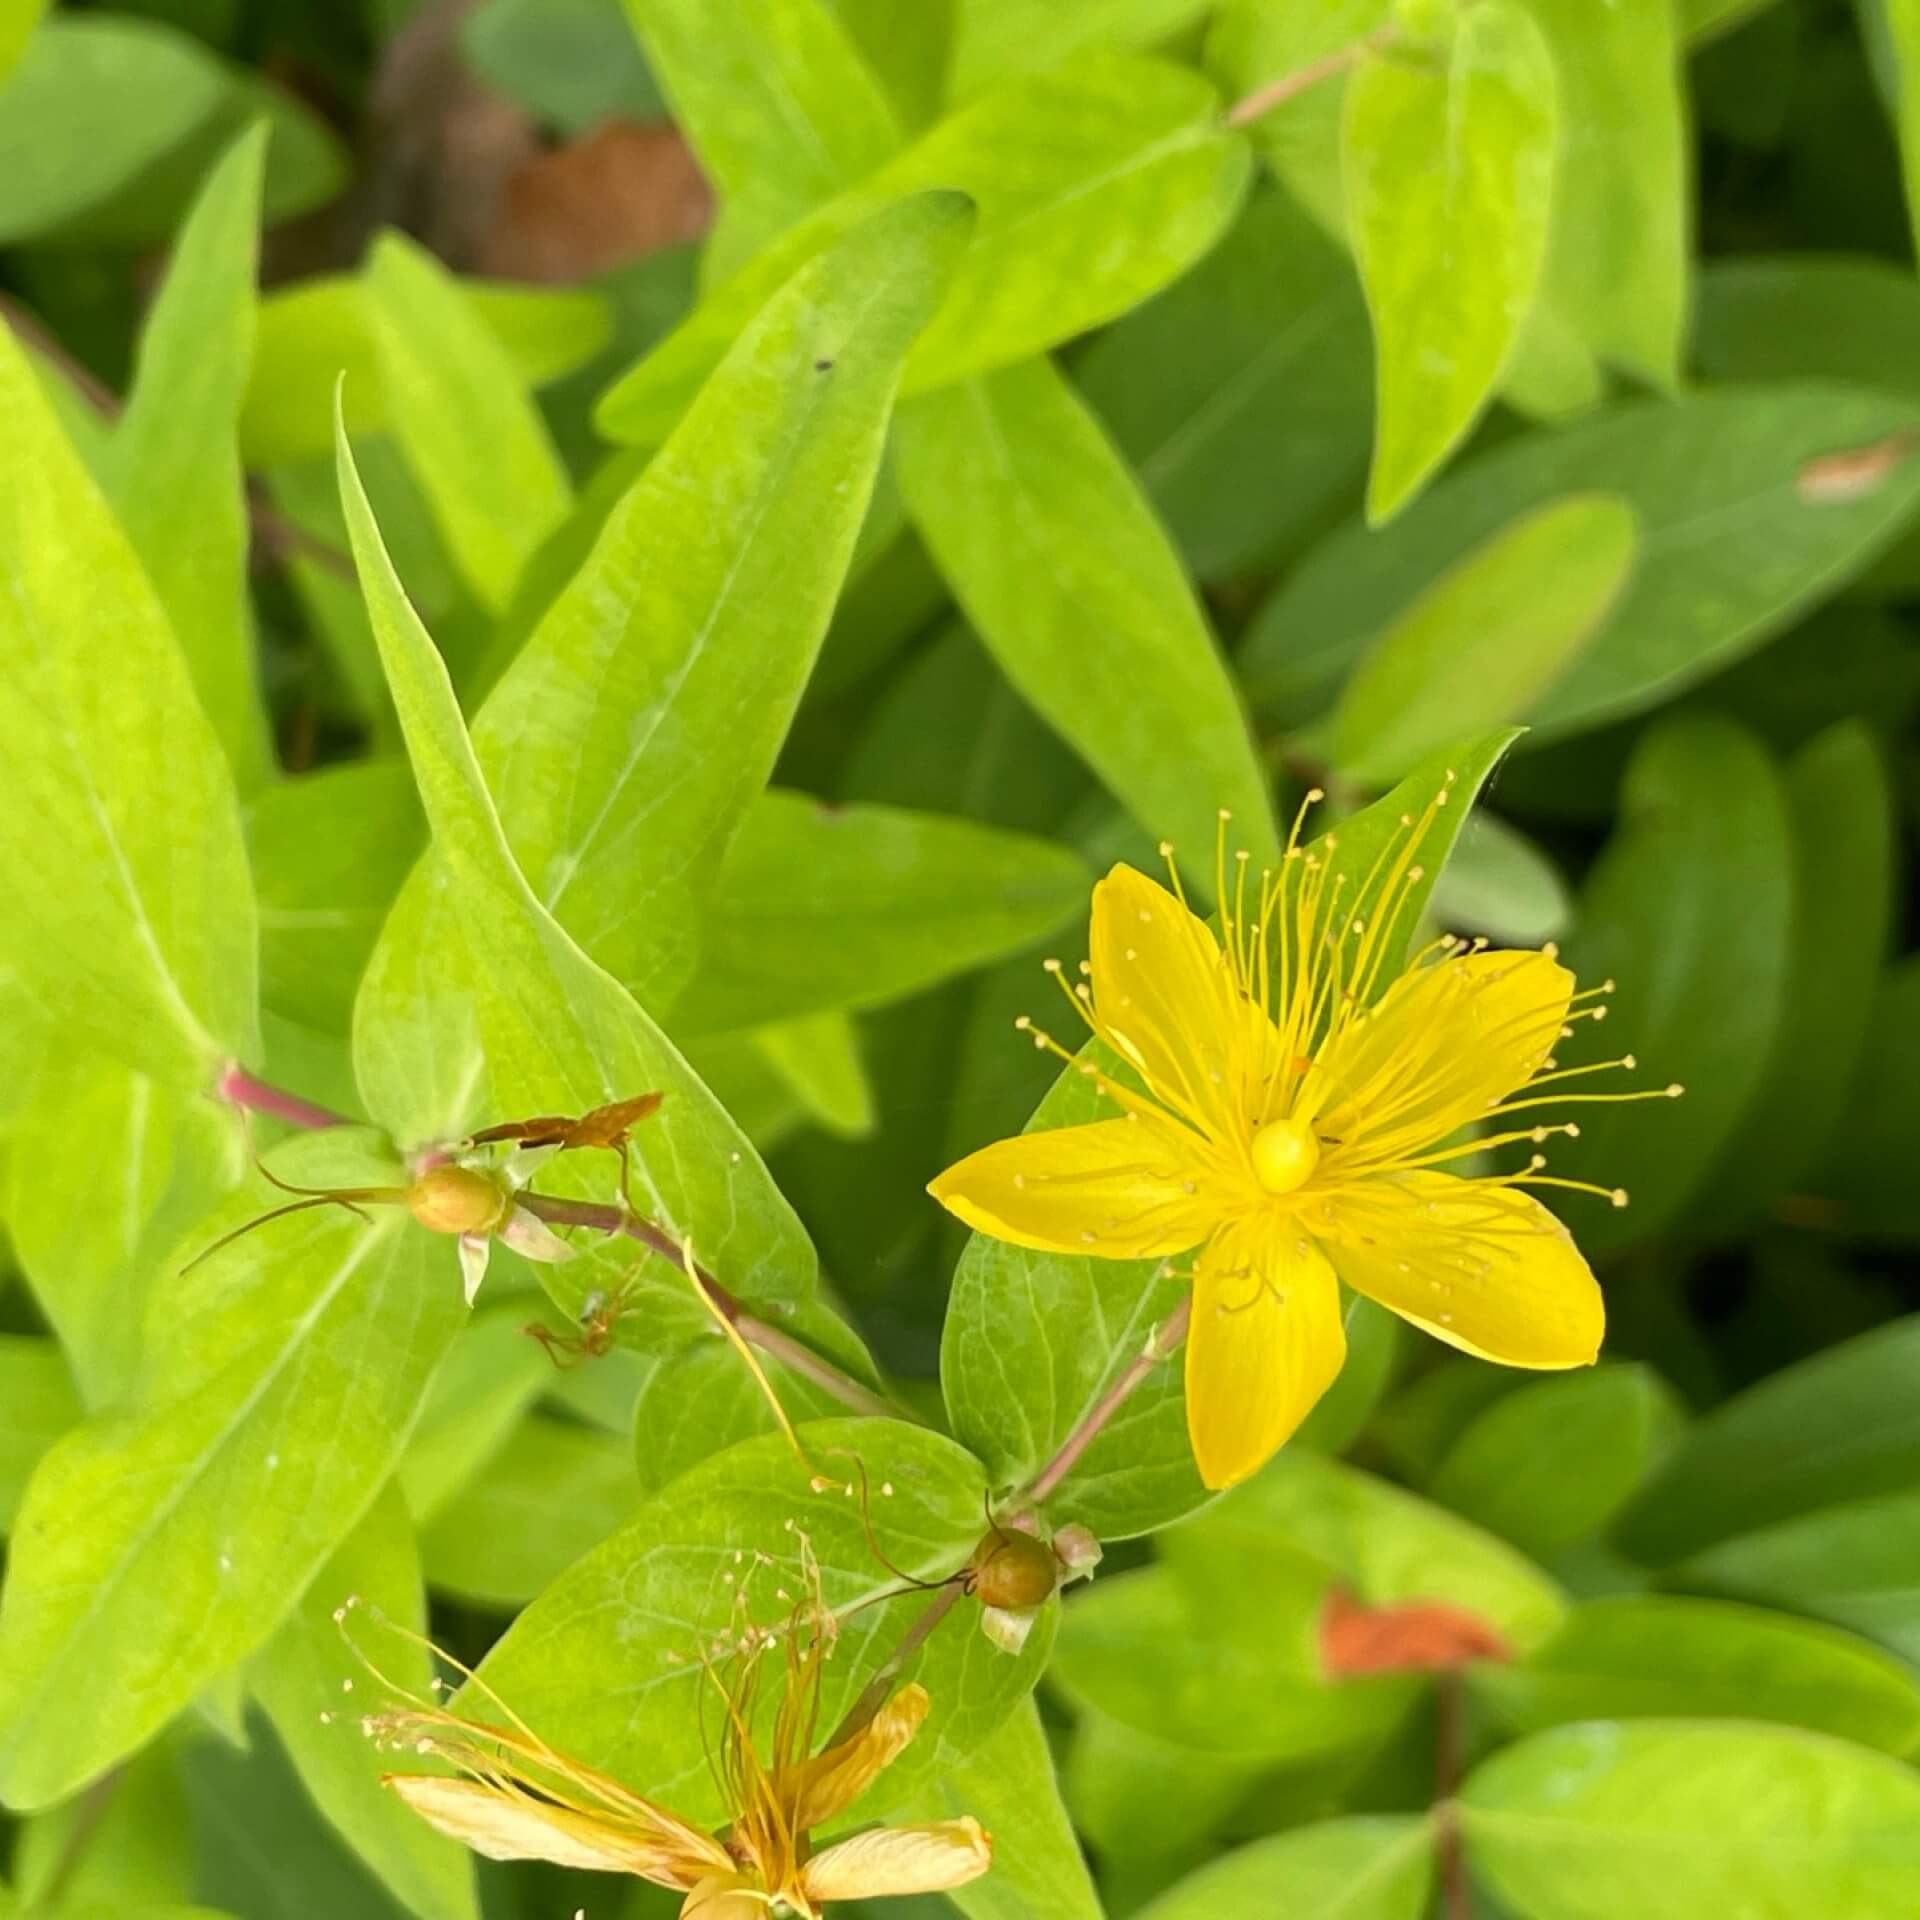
column 773, row 94
column 111, row 1854
column 1730, row 548
column 1096, row 186
column 1242, row 395
column 821, row 907
column 330, row 851
column 1549, row 1464
column 111, row 124
column 37, row 1405
column 1008, row 1784
column 1146, row 1649
column 551, row 1493
column 1307, row 1519
column 1484, row 643
column 1902, row 18
column 313, row 332
column 489, row 1379
column 572, row 62
column 1840, row 813
column 263, row 1432
column 1648, row 1655
column 1672, row 1820
column 1617, row 261
column 174, row 469
column 1842, row 1426
column 1043, row 533
column 18, row 18
column 1357, row 1869
column 817, row 1059
column 996, row 39
column 297, row 1678
column 1857, row 1565
column 1500, row 883
column 656, row 1592
column 1448, row 159
column 1689, row 912
column 702, row 607
column 474, row 439
column 531, row 1025
column 130, row 918
column 1865, row 1178
column 1139, row 1799
column 107, row 1171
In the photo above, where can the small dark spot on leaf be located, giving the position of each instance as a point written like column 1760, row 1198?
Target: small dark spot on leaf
column 823, row 366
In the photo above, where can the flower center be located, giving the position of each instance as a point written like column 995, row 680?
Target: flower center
column 1285, row 1153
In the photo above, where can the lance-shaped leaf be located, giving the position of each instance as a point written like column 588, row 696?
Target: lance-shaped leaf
column 297, row 1679
column 774, row 96
column 280, row 1380
column 130, row 915
column 470, row 432
column 1096, row 186
column 626, row 741
column 174, row 464
column 658, row 1591
column 38, row 1404
column 535, row 1025
column 1448, row 159
column 1354, row 1869
column 1043, row 532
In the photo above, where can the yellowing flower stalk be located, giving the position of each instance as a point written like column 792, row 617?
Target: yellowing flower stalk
column 513, row 1797
column 1298, row 1113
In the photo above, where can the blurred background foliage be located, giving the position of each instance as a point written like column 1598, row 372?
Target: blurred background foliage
column 1680, row 543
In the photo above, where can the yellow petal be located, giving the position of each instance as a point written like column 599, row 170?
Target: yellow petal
column 1163, row 995
column 832, row 1781
column 506, row 1825
column 900, row 1860
column 1487, row 1269
column 1442, row 1046
column 726, row 1896
column 1115, row 1188
column 1265, row 1343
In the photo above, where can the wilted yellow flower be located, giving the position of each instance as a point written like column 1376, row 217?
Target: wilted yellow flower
column 516, row 1798
column 1299, row 1108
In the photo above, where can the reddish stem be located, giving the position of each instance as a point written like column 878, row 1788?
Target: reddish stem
column 1289, row 86
column 239, row 1088
column 1169, row 1335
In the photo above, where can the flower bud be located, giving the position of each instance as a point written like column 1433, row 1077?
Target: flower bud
column 453, row 1199
column 1013, row 1570
column 1078, row 1550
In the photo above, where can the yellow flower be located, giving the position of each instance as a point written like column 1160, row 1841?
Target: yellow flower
column 516, row 1798
column 1299, row 1108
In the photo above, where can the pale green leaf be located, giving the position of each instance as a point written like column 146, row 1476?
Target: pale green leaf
column 1732, row 545
column 299, row 1679
column 38, row 1404
column 699, row 613
column 1355, row 1869
column 1501, row 884
column 1243, row 395
column 1096, row 186
column 1646, row 1655
column 130, row 917
column 1482, row 645
column 817, row 1058
column 551, row 1493
column 314, row 331
column 657, row 1592
column 174, row 466
column 18, row 18
column 1617, row 262
column 820, row 908
column 1008, row 1784
column 1902, row 19
column 108, row 1169
column 473, row 437
column 1689, row 912
column 1448, row 162
column 774, row 96
column 264, row 1430
column 996, row 39
column 1550, row 1463
column 1675, row 1819
column 530, row 1023
column 1045, row 536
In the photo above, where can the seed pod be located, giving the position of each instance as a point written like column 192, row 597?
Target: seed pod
column 1013, row 1571
column 453, row 1199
